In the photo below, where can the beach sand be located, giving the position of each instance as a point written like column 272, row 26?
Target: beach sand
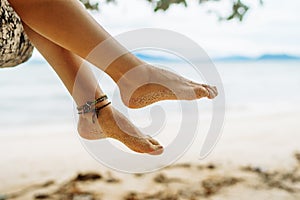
column 256, row 158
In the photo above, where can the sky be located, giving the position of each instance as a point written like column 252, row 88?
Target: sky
column 273, row 28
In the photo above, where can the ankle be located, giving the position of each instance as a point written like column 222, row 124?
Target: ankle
column 92, row 119
column 121, row 66
column 136, row 77
column 91, row 109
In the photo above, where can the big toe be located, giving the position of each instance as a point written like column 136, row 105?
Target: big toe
column 213, row 91
column 145, row 145
column 155, row 146
column 152, row 146
column 153, row 141
column 156, row 150
column 201, row 91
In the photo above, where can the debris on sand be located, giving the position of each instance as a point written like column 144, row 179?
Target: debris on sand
column 185, row 182
column 297, row 157
column 3, row 197
column 162, row 178
column 161, row 195
column 284, row 180
column 209, row 166
column 88, row 177
column 41, row 196
column 111, row 179
column 181, row 165
column 210, row 186
column 26, row 190
column 213, row 184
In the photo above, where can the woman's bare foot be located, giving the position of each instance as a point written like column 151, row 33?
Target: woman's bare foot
column 146, row 85
column 112, row 124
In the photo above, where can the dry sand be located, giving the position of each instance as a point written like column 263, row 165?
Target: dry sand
column 255, row 159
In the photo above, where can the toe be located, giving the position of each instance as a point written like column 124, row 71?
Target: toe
column 204, row 90
column 153, row 147
column 156, row 150
column 213, row 92
column 144, row 145
column 153, row 141
column 201, row 92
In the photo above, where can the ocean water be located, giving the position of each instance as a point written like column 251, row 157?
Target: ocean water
column 32, row 96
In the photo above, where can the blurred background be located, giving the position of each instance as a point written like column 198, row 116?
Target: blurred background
column 257, row 57
column 253, row 44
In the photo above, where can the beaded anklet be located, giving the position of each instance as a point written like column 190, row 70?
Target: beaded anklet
column 90, row 107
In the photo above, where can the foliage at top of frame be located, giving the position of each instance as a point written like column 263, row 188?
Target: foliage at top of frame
column 238, row 10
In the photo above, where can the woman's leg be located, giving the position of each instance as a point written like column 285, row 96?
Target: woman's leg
column 68, row 24
column 111, row 123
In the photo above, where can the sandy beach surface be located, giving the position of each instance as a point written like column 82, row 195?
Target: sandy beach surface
column 256, row 158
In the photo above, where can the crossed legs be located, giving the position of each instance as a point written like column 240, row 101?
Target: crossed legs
column 111, row 123
column 65, row 34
